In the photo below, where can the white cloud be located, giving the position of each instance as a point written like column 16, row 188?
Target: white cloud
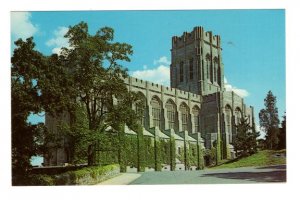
column 241, row 92
column 21, row 26
column 162, row 60
column 159, row 74
column 58, row 41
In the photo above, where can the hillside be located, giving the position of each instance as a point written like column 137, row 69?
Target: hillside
column 262, row 158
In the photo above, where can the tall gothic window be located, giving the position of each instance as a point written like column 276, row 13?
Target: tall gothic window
column 199, row 69
column 219, row 71
column 211, row 72
column 181, row 72
column 196, row 115
column 228, row 122
column 184, row 116
column 191, row 69
column 171, row 108
column 238, row 115
column 156, row 111
column 202, row 69
column 208, row 63
column 215, row 69
column 141, row 111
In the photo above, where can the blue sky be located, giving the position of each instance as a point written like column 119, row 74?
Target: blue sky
column 253, row 43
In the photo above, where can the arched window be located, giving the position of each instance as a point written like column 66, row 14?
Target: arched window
column 216, row 66
column 208, row 63
column 219, row 71
column 141, row 109
column 156, row 111
column 191, row 69
column 181, row 72
column 202, row 70
column 184, row 110
column 238, row 115
column 199, row 69
column 228, row 123
column 171, row 113
column 196, row 116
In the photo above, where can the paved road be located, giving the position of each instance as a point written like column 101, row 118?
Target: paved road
column 215, row 176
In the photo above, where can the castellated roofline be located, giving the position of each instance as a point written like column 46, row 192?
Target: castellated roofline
column 198, row 33
column 142, row 84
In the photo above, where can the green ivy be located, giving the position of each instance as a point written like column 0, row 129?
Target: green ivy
column 141, row 153
column 158, row 155
column 180, row 156
column 200, row 160
column 149, row 152
column 165, row 151
column 192, row 154
column 172, row 154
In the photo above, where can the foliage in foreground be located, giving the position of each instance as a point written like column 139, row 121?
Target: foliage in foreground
column 262, row 158
column 87, row 74
column 85, row 176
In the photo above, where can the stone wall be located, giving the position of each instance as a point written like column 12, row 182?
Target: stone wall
column 199, row 99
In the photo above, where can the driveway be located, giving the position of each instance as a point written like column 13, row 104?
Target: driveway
column 270, row 174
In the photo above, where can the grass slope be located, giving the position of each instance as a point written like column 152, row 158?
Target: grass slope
column 262, row 158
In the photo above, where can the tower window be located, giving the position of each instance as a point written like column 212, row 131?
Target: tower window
column 211, row 73
column 191, row 69
column 208, row 67
column 216, row 66
column 202, row 70
column 199, row 69
column 181, row 72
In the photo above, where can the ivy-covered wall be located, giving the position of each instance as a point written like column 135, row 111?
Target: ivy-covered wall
column 149, row 152
column 141, row 151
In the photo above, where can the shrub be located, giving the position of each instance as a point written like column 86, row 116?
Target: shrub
column 88, row 175
column 210, row 156
column 41, row 180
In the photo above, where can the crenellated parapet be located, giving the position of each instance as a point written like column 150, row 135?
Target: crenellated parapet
column 197, row 34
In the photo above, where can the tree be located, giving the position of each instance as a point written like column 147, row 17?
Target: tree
column 269, row 121
column 86, row 77
column 35, row 88
column 98, row 81
column 282, row 134
column 245, row 141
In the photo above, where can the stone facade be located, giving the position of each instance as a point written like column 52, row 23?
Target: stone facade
column 196, row 104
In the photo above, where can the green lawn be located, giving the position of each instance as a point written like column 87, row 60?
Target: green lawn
column 262, row 158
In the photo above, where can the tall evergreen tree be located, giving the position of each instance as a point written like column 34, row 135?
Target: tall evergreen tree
column 282, row 134
column 269, row 121
column 245, row 142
